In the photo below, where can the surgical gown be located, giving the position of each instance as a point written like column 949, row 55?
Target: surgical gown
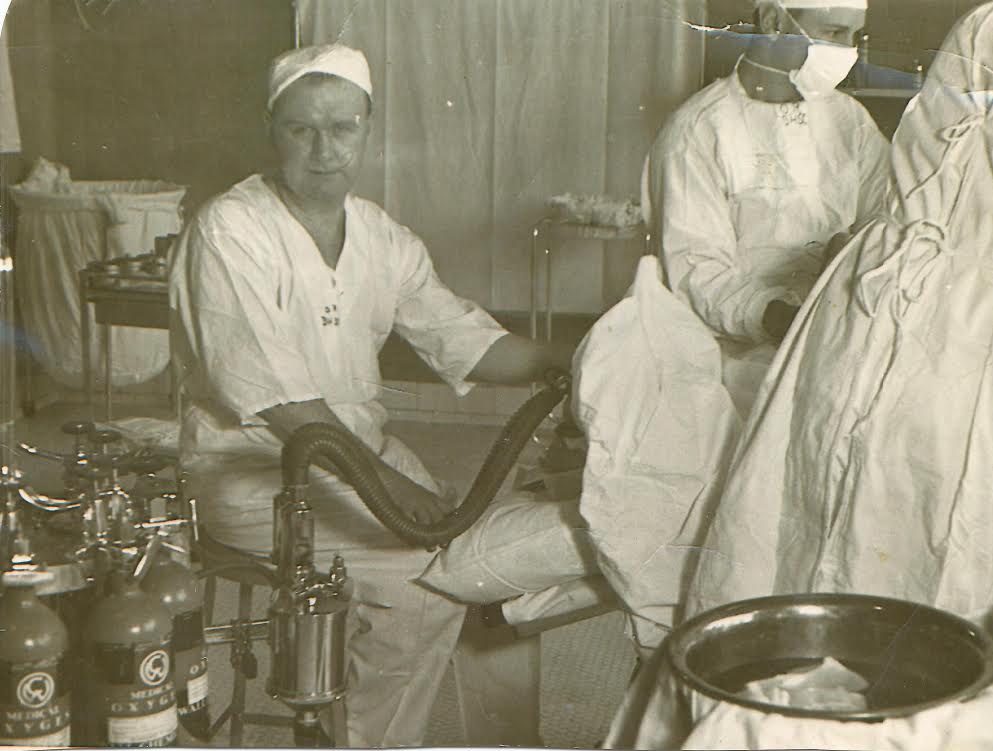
column 260, row 320
column 867, row 462
column 745, row 196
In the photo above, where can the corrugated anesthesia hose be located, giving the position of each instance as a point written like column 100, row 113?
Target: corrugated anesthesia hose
column 340, row 448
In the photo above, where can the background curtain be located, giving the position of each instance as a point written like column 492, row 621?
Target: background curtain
column 486, row 108
column 10, row 138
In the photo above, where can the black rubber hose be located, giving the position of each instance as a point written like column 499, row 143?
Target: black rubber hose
column 352, row 465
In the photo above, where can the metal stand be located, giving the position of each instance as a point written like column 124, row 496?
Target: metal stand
column 145, row 305
column 545, row 236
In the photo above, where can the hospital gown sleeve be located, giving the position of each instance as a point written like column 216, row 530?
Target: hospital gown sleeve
column 449, row 333
column 244, row 338
column 689, row 196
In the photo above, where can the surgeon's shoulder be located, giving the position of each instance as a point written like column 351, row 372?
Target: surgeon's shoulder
column 852, row 116
column 238, row 213
column 697, row 119
column 848, row 108
column 393, row 241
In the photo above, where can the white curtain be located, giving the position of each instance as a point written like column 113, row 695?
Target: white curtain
column 10, row 138
column 486, row 108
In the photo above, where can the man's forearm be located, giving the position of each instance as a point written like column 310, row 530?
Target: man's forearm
column 419, row 503
column 515, row 360
column 286, row 419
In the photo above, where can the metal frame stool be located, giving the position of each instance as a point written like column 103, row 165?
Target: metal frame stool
column 220, row 561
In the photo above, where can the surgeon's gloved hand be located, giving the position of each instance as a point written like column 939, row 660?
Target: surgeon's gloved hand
column 419, row 503
column 778, row 318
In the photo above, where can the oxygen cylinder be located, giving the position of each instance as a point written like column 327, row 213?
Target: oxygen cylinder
column 128, row 667
column 34, row 685
column 177, row 588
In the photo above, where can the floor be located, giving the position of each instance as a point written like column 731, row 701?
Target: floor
column 585, row 666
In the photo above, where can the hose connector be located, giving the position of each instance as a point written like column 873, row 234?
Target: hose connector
column 559, row 380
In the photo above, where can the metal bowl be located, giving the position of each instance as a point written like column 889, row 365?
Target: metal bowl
column 914, row 657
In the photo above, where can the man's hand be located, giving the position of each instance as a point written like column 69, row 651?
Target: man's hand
column 420, row 504
column 778, row 318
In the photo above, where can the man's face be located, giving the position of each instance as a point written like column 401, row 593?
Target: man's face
column 838, row 25
column 319, row 128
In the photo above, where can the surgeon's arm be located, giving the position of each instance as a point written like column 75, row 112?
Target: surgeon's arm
column 514, row 360
column 245, row 340
column 422, row 505
column 459, row 340
column 692, row 205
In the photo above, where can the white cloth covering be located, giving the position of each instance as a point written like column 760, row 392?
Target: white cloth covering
column 661, row 429
column 865, row 464
column 523, row 544
column 865, row 467
column 953, row 727
column 261, row 320
column 329, row 59
column 745, row 197
column 62, row 226
column 721, row 726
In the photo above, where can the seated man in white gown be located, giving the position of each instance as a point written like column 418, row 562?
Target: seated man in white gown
column 284, row 290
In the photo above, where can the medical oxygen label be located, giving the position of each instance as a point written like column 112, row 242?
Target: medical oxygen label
column 136, row 694
column 34, row 703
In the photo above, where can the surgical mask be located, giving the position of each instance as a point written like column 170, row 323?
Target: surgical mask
column 826, row 66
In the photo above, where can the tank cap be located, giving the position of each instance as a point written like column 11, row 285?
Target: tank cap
column 27, row 577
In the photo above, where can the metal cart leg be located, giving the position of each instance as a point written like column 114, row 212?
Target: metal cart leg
column 87, row 335
column 237, row 729
column 107, row 364
column 548, row 292
column 535, row 233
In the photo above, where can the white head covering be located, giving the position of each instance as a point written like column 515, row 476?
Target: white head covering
column 856, row 4
column 330, row 59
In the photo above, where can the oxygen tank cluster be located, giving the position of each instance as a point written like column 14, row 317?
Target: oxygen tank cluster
column 112, row 563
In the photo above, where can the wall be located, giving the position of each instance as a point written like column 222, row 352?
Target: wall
column 174, row 89
column 169, row 89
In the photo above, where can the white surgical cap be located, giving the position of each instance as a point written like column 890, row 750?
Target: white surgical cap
column 856, row 4
column 330, row 59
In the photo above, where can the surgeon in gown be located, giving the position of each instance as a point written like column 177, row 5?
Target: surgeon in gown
column 284, row 290
column 867, row 463
column 755, row 180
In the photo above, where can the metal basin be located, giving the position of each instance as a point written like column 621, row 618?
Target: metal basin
column 914, row 657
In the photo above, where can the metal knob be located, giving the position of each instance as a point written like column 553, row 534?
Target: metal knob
column 103, row 438
column 77, row 428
